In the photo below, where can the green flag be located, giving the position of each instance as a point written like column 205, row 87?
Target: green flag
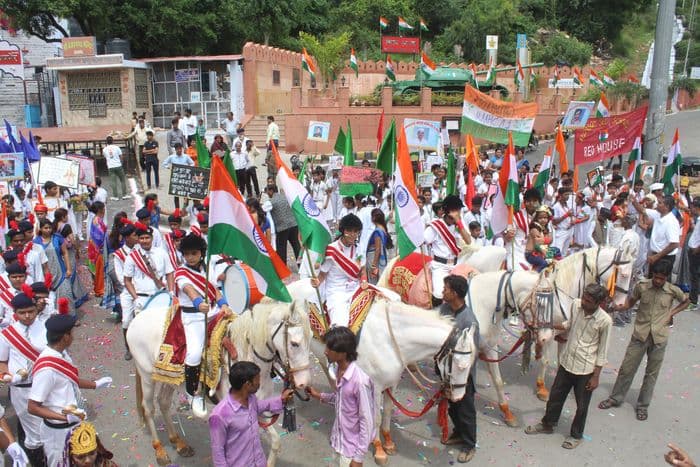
column 228, row 163
column 302, row 172
column 340, row 142
column 387, row 153
column 348, row 156
column 203, row 157
column 451, row 176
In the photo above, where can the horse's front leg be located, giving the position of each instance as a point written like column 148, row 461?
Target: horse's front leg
column 144, row 390
column 548, row 352
column 387, row 408
column 495, row 373
column 165, row 399
column 274, row 445
column 380, row 455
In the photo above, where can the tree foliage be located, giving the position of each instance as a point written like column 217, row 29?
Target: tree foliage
column 562, row 49
column 330, row 52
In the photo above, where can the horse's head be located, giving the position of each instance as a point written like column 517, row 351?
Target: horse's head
column 455, row 361
column 290, row 334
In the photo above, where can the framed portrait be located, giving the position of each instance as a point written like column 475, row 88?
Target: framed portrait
column 318, row 131
column 422, row 134
column 11, row 166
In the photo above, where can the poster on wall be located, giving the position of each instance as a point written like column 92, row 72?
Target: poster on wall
column 578, row 113
column 11, row 166
column 62, row 172
column 422, row 134
column 11, row 62
column 87, row 168
column 318, row 131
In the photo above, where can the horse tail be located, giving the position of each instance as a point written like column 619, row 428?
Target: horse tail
column 139, row 397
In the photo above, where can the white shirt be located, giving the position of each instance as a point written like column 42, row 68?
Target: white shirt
column 51, row 389
column 6, row 310
column 559, row 211
column 437, row 245
column 119, row 264
column 36, row 258
column 630, row 242
column 694, row 240
column 189, row 126
column 230, row 126
column 664, row 231
column 113, row 156
column 180, row 284
column 142, row 282
column 318, row 193
column 101, row 195
column 336, row 278
column 35, row 334
column 240, row 160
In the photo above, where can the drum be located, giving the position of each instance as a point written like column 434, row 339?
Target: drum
column 161, row 299
column 240, row 289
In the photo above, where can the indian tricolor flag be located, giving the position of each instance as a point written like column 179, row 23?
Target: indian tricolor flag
column 519, row 74
column 507, row 199
column 233, row 232
column 313, row 227
column 603, row 108
column 491, row 75
column 492, row 119
column 543, row 175
column 383, row 22
column 555, row 80
column 635, row 160
column 426, row 64
column 389, row 70
column 578, row 77
column 403, row 25
column 595, row 79
column 608, row 80
column 409, row 225
column 472, row 68
column 307, row 64
column 353, row 62
column 673, row 165
column 423, row 26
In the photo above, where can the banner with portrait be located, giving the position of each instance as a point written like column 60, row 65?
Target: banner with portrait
column 62, row 172
column 11, row 166
column 422, row 134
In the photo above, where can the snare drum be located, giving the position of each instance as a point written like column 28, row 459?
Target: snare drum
column 161, row 299
column 240, row 289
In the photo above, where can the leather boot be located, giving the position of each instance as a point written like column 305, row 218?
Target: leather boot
column 196, row 401
column 36, row 457
column 127, row 354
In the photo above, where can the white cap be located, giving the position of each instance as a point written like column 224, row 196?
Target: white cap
column 656, row 186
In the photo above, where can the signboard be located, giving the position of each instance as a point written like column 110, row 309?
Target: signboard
column 603, row 138
column 95, row 61
column 563, row 83
column 318, row 131
column 195, row 96
column 521, row 41
column 186, row 74
column 11, row 166
column 695, row 72
column 400, row 45
column 578, row 114
column 62, row 172
column 79, row 46
column 87, row 168
column 335, row 162
column 422, row 134
column 425, row 179
column 11, row 62
column 358, row 180
column 189, row 181
column 491, row 42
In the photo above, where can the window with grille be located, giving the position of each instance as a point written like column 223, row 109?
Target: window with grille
column 86, row 88
column 141, row 88
column 276, row 77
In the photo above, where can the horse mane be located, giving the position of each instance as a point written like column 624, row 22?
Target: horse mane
column 252, row 324
column 568, row 270
column 411, row 312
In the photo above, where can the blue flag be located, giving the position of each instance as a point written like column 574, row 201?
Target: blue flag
column 31, row 154
column 14, row 145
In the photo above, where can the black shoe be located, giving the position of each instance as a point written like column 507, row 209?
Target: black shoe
column 453, row 440
column 127, row 355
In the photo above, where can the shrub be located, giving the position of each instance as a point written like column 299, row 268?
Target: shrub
column 562, row 48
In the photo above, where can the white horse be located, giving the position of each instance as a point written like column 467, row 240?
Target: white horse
column 258, row 334
column 395, row 335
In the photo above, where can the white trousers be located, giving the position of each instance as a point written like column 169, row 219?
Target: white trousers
column 30, row 423
column 338, row 304
column 562, row 240
column 194, row 337
column 438, row 272
column 54, row 441
column 129, row 307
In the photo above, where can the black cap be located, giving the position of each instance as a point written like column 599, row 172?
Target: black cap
column 15, row 268
column 21, row 301
column 40, row 287
column 143, row 213
column 25, row 226
column 60, row 324
column 9, row 256
column 193, row 242
column 143, row 229
column 127, row 230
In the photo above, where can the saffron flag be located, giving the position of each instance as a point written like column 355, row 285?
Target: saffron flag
column 380, row 130
column 313, row 227
column 353, row 62
column 595, row 79
column 633, row 79
column 561, row 150
column 233, row 232
column 409, row 225
column 387, row 151
column 578, row 77
column 203, row 156
column 472, row 68
column 403, row 25
column 492, row 119
column 383, row 22
column 519, row 74
column 423, row 26
column 545, row 170
column 603, row 108
column 389, row 70
column 472, row 156
column 426, row 64
column 635, row 161
column 674, row 160
column 575, row 177
column 307, row 63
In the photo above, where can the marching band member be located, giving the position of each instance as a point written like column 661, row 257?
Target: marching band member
column 193, row 290
column 143, row 216
column 127, row 233
column 20, row 345
column 55, row 392
column 342, row 272
column 146, row 271
column 17, row 275
column 441, row 236
column 45, row 300
column 202, row 227
column 172, row 242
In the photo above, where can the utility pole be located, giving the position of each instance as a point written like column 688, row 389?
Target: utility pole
column 658, row 94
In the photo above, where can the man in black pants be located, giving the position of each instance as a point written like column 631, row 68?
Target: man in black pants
column 463, row 412
column 285, row 224
column 580, row 363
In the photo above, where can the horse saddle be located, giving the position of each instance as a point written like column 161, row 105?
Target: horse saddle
column 359, row 308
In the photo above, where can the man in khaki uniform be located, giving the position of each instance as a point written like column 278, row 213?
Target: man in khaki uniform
column 650, row 334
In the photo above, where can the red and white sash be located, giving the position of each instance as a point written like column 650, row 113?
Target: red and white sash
column 447, row 237
column 6, row 296
column 172, row 253
column 197, row 280
column 58, row 365
column 521, row 221
column 347, row 265
column 121, row 254
column 194, row 229
column 20, row 344
column 140, row 262
column 4, row 283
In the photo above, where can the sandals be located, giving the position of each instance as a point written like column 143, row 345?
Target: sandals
column 465, row 456
column 608, row 404
column 571, row 443
column 539, row 429
column 642, row 414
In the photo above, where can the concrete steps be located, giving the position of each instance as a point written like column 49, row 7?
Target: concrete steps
column 256, row 129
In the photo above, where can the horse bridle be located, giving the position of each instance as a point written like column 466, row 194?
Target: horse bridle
column 448, row 351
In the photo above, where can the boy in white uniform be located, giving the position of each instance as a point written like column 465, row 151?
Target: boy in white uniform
column 131, row 240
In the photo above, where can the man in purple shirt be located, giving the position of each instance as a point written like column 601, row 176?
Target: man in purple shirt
column 353, row 429
column 233, row 424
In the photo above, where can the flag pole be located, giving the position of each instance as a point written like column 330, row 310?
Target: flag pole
column 321, row 303
column 206, row 317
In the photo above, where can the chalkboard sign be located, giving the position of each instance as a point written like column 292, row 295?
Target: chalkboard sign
column 189, row 181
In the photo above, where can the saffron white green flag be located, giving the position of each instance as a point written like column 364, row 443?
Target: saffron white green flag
column 383, row 22
column 635, row 161
column 353, row 62
column 491, row 75
column 472, row 68
column 519, row 74
column 313, row 227
column 674, row 160
column 403, row 25
column 423, row 26
column 233, row 232
column 603, row 108
column 307, row 64
column 608, row 80
column 426, row 64
column 595, row 79
column 409, row 225
column 389, row 70
column 543, row 175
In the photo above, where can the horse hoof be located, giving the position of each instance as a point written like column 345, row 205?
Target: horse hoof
column 163, row 461
column 543, row 396
column 185, row 451
column 390, row 449
column 511, row 422
column 381, row 459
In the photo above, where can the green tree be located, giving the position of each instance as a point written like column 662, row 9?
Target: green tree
column 330, row 52
column 560, row 48
column 616, row 69
column 597, row 20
